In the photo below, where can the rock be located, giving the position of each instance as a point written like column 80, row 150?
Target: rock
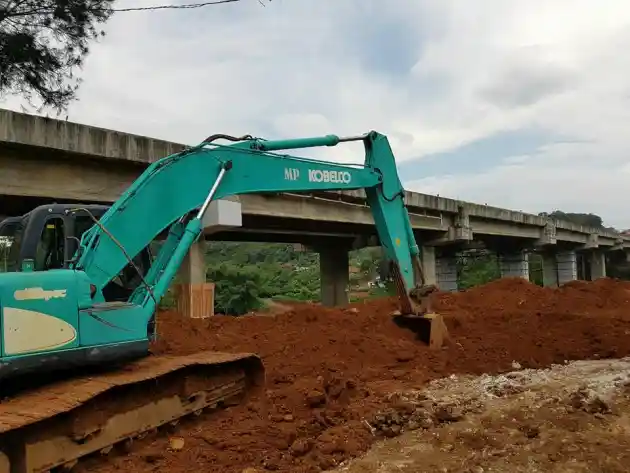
column 300, row 447
column 422, row 418
column 176, row 443
column 448, row 413
column 315, row 398
column 530, row 431
column 413, row 425
column 404, row 356
column 391, row 431
column 588, row 401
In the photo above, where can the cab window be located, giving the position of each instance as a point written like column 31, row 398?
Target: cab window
column 10, row 245
column 50, row 252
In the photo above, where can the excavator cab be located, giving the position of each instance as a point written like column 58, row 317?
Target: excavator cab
column 48, row 236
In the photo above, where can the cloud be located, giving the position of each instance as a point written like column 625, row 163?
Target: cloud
column 516, row 104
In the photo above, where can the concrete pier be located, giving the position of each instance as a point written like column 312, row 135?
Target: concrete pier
column 549, row 270
column 334, row 274
column 514, row 265
column 429, row 264
column 446, row 269
column 567, row 266
column 597, row 261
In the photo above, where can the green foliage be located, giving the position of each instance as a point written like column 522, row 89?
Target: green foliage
column 168, row 301
column 587, row 220
column 367, row 260
column 43, row 42
column 247, row 273
column 477, row 267
column 236, row 289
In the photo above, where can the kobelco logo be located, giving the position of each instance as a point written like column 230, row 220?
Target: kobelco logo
column 334, row 177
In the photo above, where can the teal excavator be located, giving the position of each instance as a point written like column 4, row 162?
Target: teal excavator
column 87, row 298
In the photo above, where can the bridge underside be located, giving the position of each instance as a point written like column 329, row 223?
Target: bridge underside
column 33, row 176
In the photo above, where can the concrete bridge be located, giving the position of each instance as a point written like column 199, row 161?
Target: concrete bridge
column 43, row 160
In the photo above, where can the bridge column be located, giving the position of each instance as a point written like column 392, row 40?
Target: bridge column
column 514, row 265
column 195, row 296
column 428, row 264
column 446, row 269
column 597, row 262
column 549, row 270
column 334, row 274
column 567, row 266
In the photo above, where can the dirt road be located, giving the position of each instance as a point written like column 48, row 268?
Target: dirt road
column 570, row 418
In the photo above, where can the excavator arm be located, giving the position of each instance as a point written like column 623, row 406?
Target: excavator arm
column 175, row 192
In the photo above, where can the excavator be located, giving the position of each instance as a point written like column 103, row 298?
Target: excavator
column 80, row 287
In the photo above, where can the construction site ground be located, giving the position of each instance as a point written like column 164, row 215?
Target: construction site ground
column 348, row 383
column 569, row 418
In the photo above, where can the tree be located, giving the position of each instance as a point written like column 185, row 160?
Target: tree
column 43, row 42
column 236, row 289
column 588, row 220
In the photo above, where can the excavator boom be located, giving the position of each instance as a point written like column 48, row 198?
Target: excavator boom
column 65, row 315
column 171, row 188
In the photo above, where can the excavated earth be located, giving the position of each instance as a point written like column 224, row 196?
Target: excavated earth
column 331, row 374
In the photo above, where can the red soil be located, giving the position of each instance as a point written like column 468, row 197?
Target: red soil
column 329, row 369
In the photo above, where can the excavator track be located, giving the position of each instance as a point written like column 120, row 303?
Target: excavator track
column 55, row 426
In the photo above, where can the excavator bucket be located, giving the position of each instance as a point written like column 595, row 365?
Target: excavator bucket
column 429, row 328
column 415, row 311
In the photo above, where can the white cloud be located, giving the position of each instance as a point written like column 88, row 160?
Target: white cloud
column 304, row 67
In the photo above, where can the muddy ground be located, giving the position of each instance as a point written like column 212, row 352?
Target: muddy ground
column 331, row 374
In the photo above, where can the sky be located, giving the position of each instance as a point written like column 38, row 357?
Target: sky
column 522, row 105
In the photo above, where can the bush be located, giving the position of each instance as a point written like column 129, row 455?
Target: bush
column 236, row 289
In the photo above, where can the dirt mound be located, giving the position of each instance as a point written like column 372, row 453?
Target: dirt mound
column 328, row 369
column 515, row 294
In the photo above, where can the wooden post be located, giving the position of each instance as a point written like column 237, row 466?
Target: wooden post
column 195, row 300
column 194, row 295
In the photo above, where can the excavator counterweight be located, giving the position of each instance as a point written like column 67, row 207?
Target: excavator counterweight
column 81, row 288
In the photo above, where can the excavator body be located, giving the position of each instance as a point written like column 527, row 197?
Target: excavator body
column 61, row 405
column 58, row 308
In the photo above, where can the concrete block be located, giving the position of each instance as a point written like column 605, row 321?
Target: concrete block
column 592, row 241
column 222, row 215
column 462, row 228
column 549, row 234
